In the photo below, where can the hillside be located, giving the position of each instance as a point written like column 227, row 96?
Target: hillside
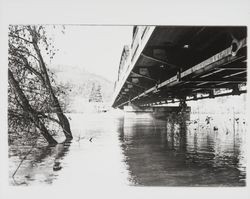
column 79, row 83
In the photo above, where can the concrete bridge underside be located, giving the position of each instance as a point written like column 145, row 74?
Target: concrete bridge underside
column 166, row 64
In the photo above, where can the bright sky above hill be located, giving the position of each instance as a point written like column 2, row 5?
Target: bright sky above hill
column 95, row 48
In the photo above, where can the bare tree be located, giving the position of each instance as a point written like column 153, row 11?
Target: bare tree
column 31, row 112
column 29, row 47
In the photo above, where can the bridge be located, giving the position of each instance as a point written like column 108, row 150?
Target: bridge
column 168, row 64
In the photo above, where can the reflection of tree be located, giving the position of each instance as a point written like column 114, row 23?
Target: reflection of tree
column 60, row 151
column 57, row 152
column 39, row 160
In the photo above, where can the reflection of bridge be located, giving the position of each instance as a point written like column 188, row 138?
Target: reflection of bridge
column 175, row 152
column 167, row 64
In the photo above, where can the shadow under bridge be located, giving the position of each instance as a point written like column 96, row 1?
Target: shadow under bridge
column 167, row 64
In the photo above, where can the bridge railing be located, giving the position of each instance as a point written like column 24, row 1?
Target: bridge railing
column 139, row 36
column 123, row 61
column 140, row 39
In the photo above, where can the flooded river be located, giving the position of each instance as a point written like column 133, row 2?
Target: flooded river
column 139, row 150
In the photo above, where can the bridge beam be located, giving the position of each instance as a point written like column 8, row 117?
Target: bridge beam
column 134, row 74
column 180, row 50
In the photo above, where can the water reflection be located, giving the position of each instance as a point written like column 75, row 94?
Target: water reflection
column 37, row 164
column 139, row 150
column 178, row 152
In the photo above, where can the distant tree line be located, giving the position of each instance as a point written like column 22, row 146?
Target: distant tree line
column 95, row 95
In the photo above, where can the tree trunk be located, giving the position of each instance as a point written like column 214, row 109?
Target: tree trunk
column 56, row 105
column 31, row 112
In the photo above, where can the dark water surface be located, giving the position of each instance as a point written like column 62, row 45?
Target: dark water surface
column 139, row 150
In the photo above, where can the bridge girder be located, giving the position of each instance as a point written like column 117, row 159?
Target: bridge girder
column 209, row 63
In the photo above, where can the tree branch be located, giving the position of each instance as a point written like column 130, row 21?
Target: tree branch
column 26, row 107
column 30, row 68
column 18, row 37
column 48, row 117
column 20, row 50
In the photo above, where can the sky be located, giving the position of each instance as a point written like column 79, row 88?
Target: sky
column 97, row 49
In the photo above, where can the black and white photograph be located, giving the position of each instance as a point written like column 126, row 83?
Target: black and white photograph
column 102, row 107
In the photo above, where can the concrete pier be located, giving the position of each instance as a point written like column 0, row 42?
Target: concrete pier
column 159, row 112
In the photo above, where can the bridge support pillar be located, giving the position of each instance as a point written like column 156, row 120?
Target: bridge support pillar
column 184, row 110
column 183, row 104
column 161, row 111
column 134, row 108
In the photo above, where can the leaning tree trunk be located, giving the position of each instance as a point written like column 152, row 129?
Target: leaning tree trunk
column 56, row 105
column 31, row 112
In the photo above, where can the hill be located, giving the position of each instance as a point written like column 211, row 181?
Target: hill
column 79, row 83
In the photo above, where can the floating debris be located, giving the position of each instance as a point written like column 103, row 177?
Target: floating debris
column 215, row 128
column 208, row 119
column 57, row 166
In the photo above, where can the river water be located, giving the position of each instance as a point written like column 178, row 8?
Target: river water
column 139, row 150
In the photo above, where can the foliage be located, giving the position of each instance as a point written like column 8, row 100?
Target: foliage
column 25, row 64
column 95, row 95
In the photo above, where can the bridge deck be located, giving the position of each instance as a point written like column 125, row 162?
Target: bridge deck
column 169, row 64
